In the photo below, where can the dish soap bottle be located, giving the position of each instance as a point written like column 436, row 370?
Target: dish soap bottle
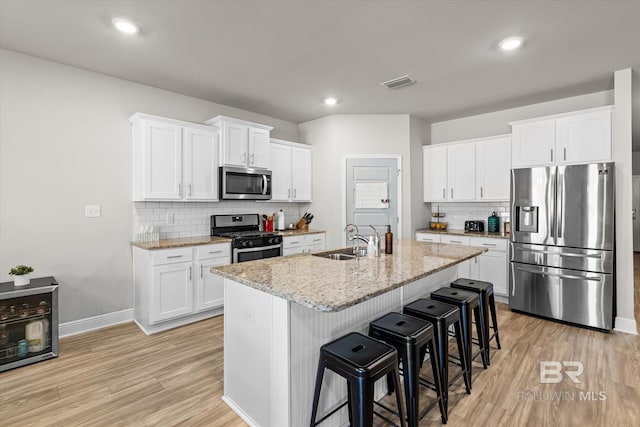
column 388, row 241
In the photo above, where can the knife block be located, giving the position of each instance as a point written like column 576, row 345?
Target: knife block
column 302, row 225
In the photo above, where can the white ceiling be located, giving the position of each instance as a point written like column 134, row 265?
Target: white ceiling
column 280, row 58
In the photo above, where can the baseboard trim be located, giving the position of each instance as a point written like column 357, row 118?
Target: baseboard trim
column 247, row 419
column 627, row 326
column 96, row 322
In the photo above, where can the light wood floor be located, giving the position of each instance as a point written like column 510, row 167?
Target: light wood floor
column 120, row 377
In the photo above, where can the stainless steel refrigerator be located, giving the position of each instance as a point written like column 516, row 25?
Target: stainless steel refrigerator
column 562, row 243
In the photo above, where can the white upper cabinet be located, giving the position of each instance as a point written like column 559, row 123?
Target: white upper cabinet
column 201, row 163
column 435, row 173
column 576, row 137
column 290, row 165
column 493, row 161
column 174, row 160
column 461, row 171
column 242, row 144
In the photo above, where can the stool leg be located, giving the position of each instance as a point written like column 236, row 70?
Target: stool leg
column 442, row 348
column 482, row 342
column 465, row 320
column 411, row 369
column 435, row 368
column 349, row 403
column 362, row 403
column 316, row 393
column 396, row 383
column 492, row 307
column 466, row 371
column 484, row 312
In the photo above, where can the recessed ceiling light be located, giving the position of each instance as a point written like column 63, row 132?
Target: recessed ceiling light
column 330, row 101
column 511, row 43
column 125, row 26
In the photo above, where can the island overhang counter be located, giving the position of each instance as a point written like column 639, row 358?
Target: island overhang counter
column 279, row 311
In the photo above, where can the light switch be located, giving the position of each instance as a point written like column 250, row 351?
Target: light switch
column 92, row 211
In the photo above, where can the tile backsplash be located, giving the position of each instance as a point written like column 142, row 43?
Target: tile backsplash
column 194, row 218
column 458, row 213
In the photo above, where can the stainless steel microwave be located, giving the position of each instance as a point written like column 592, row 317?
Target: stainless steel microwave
column 244, row 184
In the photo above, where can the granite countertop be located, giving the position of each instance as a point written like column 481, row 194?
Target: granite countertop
column 331, row 285
column 459, row 232
column 181, row 242
column 296, row 232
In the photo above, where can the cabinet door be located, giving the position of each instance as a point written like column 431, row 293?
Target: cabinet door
column 315, row 241
column 584, row 138
column 201, row 164
column 461, row 171
column 209, row 286
column 235, row 144
column 534, row 144
column 435, row 173
column 162, row 161
column 301, row 174
column 258, row 148
column 492, row 267
column 280, row 165
column 493, row 162
column 171, row 292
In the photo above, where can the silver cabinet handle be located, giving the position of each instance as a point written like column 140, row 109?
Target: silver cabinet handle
column 175, row 256
column 288, row 193
column 180, row 189
column 215, row 252
column 552, row 154
column 565, row 153
column 443, row 193
column 295, row 193
column 481, row 192
column 253, row 157
column 294, row 243
column 189, row 187
column 201, row 274
column 455, row 241
column 452, row 192
column 317, row 240
column 488, row 244
column 190, row 271
column 244, row 156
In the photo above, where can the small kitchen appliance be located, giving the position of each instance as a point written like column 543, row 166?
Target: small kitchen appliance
column 474, row 226
column 248, row 242
column 244, row 184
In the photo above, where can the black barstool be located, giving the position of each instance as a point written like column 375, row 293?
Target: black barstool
column 361, row 361
column 468, row 303
column 487, row 305
column 411, row 337
column 441, row 316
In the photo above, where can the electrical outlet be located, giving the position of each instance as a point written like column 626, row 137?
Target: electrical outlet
column 249, row 317
column 92, row 211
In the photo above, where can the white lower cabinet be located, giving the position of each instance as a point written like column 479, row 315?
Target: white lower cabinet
column 491, row 266
column 305, row 243
column 175, row 286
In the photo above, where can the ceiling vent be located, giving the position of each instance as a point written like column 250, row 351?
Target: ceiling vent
column 398, row 82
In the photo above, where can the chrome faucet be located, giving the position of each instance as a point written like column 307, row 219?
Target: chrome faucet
column 376, row 240
column 350, row 228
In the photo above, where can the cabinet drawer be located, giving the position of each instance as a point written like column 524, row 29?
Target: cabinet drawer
column 219, row 250
column 455, row 240
column 489, row 243
column 170, row 256
column 426, row 237
column 315, row 239
column 293, row 242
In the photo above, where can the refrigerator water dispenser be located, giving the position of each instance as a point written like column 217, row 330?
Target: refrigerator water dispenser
column 527, row 219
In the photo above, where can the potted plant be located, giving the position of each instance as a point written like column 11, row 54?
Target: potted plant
column 21, row 274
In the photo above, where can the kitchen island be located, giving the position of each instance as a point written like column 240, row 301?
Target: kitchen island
column 279, row 311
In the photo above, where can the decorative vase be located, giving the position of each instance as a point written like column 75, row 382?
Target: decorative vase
column 22, row 280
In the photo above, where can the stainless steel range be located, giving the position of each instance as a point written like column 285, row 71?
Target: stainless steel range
column 249, row 243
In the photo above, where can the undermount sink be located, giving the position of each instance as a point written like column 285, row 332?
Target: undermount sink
column 340, row 254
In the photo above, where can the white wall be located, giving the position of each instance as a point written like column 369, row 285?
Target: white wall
column 333, row 137
column 496, row 123
column 420, row 134
column 65, row 141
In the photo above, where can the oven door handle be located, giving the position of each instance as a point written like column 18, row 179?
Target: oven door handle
column 261, row 248
column 264, row 185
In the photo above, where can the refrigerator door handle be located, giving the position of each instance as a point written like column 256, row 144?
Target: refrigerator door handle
column 560, row 212
column 541, row 272
column 540, row 251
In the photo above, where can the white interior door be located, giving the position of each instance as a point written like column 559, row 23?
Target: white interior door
column 369, row 180
column 636, row 213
